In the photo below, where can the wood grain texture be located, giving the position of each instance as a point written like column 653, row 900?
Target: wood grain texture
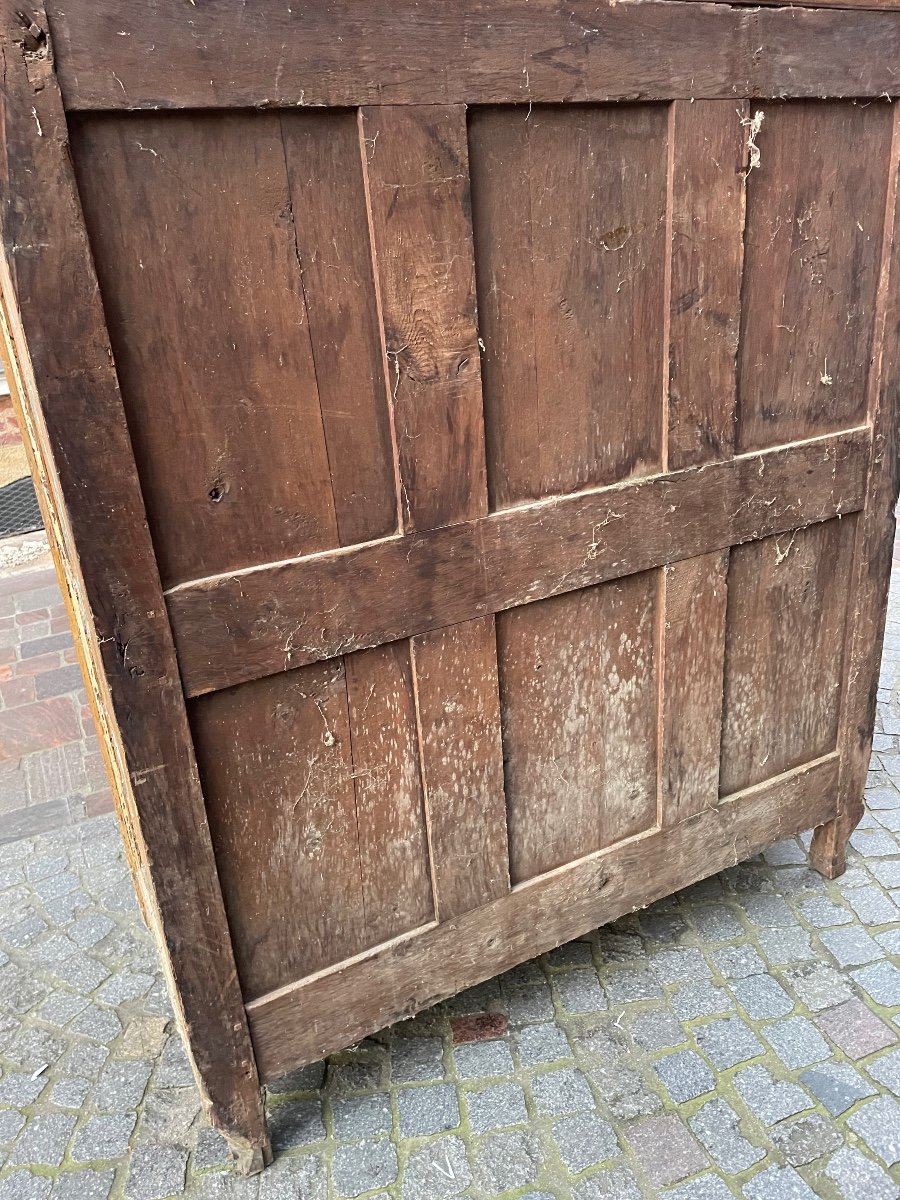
column 419, row 188
column 466, row 52
column 412, row 973
column 815, row 216
column 72, row 416
column 570, row 292
column 876, row 527
column 206, row 268
column 462, row 764
column 337, row 816
column 784, row 647
column 578, row 703
column 246, row 624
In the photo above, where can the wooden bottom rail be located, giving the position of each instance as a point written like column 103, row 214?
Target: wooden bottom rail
column 433, row 962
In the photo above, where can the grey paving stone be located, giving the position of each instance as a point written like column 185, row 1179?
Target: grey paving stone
column 889, row 940
column 23, row 1185
column 60, row 1007
column 211, row 1149
column 716, row 1126
column 617, row 945
column 784, row 854
column 295, row 1123
column 360, row 1116
column 570, row 955
column 174, row 1070
column 300, row 1177
column 766, row 909
column 417, row 1059
column 10, row 1124
column 43, row 1141
column 685, row 1075
column 873, row 845
column 717, row 923
column 21, row 1089
column 855, row 1029
column 614, row 1183
column 432, row 1108
column 886, row 871
column 558, row 1093
column 837, row 1085
column 762, row 996
column 824, row 914
column 345, row 1078
column 125, row 985
column 89, row 929
column 737, row 962
column 168, row 1114
column 100, row 1024
column 679, row 966
column 624, row 985
column 702, row 999
column 528, row 1003
column 585, row 1141
column 85, row 1059
column 155, row 1172
column 103, row 1138
column 872, row 906
column 778, row 1183
column 436, row 1170
column 363, row 1167
column 796, row 1041
column 481, row 1060
column 542, row 1044
column 806, row 1138
column 83, row 1185
column 665, row 1149
column 304, row 1079
column 657, row 1030
column 704, row 1187
column 579, row 991
column 496, row 1107
column 877, row 1122
column 782, row 946
column 505, row 1161
column 882, row 797
column 851, row 946
column 881, row 981
column 816, row 984
column 770, row 1100
column 886, row 1070
column 856, row 1176
column 122, row 1085
column 729, row 1042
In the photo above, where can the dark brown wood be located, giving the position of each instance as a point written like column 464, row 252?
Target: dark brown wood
column 466, row 52
column 297, row 612
column 875, row 530
column 72, row 413
column 431, row 963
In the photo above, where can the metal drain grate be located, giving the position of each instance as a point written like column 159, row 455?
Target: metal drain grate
column 19, row 512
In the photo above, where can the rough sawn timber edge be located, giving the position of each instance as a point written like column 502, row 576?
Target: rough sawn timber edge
column 68, row 403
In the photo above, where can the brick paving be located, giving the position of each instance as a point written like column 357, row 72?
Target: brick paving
column 51, row 769
column 740, row 1039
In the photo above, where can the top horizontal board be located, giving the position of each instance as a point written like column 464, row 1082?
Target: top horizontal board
column 166, row 54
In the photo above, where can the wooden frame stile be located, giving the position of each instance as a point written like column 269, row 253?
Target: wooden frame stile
column 66, row 393
column 874, row 544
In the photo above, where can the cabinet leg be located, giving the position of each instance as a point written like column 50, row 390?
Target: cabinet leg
column 828, row 852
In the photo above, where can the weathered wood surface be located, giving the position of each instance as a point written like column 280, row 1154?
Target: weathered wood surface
column 239, row 626
column 72, row 415
column 435, row 961
column 465, row 52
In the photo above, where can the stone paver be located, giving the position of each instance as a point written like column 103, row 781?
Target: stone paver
column 741, row 1039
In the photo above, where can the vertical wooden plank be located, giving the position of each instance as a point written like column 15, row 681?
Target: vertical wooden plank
column 707, row 210
column 418, row 179
column 578, row 689
column 72, row 414
column 787, row 606
column 874, row 543
column 815, row 218
column 462, row 757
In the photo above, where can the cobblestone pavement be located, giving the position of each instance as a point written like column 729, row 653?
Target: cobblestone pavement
column 739, row 1039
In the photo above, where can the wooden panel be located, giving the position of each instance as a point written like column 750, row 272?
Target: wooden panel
column 874, row 544
column 71, row 412
column 204, row 264
column 707, row 256
column 570, row 292
column 463, row 52
column 419, row 185
column 462, row 759
column 578, row 705
column 249, row 623
column 815, row 215
column 787, row 603
column 412, row 973
column 319, row 842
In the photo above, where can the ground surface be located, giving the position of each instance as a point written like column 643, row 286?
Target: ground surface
column 740, row 1039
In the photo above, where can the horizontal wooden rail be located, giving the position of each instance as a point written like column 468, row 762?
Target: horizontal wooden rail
column 236, row 627
column 214, row 55
column 422, row 967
